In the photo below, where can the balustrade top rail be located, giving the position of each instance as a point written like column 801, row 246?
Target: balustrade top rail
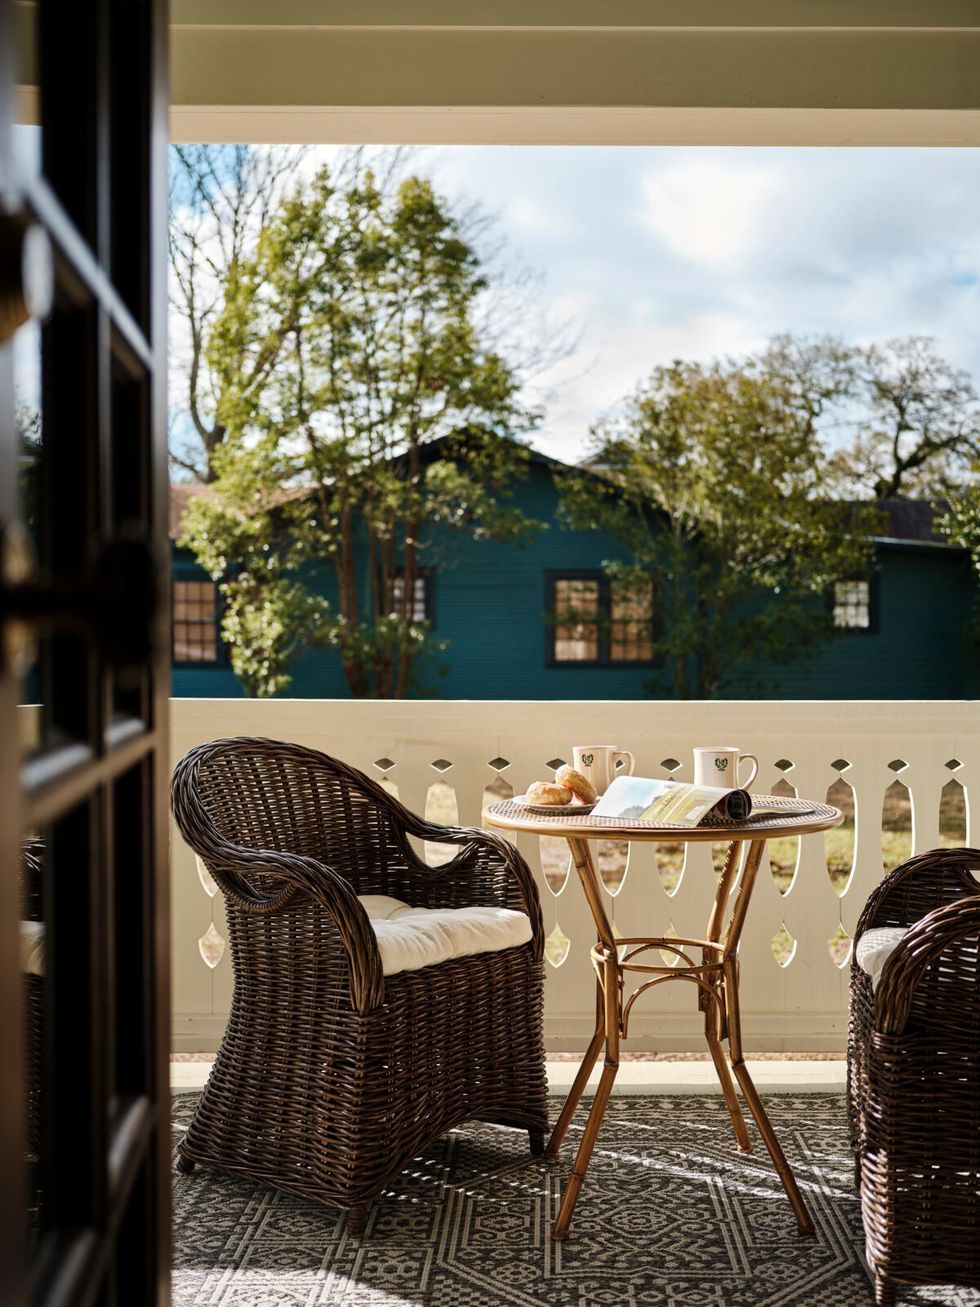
column 900, row 771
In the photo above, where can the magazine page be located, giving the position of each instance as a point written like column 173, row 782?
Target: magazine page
column 670, row 803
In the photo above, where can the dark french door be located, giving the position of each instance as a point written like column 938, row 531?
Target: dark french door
column 84, row 1177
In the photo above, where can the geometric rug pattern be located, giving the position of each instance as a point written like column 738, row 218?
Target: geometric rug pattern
column 670, row 1216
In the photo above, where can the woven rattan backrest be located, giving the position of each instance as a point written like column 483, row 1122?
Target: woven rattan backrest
column 946, row 999
column 264, row 794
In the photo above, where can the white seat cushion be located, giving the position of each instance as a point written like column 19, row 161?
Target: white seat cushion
column 875, row 947
column 412, row 938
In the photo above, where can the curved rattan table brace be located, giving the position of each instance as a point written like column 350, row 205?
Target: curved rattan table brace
column 715, row 975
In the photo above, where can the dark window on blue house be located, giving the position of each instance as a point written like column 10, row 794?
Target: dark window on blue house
column 195, row 623
column 854, row 604
column 423, row 607
column 594, row 621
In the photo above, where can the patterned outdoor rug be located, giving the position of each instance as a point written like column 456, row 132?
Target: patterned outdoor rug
column 670, row 1214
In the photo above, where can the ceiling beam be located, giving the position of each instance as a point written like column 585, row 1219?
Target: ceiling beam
column 592, row 71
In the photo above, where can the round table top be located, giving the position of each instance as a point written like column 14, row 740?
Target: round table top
column 508, row 815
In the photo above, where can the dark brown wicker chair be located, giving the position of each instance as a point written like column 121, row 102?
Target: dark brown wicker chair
column 914, row 1077
column 331, row 1076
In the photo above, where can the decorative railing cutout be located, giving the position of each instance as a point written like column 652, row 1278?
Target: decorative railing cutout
column 952, row 814
column 441, row 808
column 211, row 947
column 205, row 877
column 612, row 862
column 840, row 843
column 670, row 867
column 839, row 947
column 494, row 792
column 784, row 854
column 556, row 862
column 896, row 821
column 556, row 946
column 783, row 946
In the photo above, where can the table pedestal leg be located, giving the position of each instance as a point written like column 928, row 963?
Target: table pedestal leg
column 576, row 1091
column 610, row 985
column 751, row 1096
column 722, row 1020
column 734, row 1021
column 727, row 1087
column 715, row 1009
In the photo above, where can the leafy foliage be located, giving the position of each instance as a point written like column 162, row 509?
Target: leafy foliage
column 363, row 416
column 713, row 477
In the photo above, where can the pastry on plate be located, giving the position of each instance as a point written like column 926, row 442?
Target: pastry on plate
column 580, row 785
column 550, row 796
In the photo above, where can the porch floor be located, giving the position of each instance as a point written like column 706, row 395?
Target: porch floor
column 670, row 1215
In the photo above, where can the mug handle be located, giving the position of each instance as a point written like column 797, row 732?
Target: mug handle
column 755, row 769
column 624, row 771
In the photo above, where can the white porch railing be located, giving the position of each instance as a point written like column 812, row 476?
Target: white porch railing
column 912, row 760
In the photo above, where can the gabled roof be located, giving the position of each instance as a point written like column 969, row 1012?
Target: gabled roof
column 181, row 495
column 182, row 492
column 911, row 520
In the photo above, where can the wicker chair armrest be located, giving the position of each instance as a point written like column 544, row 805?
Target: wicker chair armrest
column 929, row 880
column 940, row 930
column 298, row 878
column 482, row 851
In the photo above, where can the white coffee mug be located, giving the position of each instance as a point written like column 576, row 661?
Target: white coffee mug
column 599, row 762
column 720, row 766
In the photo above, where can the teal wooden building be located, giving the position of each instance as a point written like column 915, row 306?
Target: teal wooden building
column 905, row 630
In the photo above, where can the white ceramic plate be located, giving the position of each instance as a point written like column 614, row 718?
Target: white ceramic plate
column 553, row 809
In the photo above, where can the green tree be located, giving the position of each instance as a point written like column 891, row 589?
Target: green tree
column 960, row 523
column 221, row 197
column 712, row 476
column 918, row 424
column 365, row 416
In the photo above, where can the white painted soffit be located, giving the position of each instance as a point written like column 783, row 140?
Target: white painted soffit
column 578, row 71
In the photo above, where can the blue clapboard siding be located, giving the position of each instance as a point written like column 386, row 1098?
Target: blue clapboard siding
column 489, row 601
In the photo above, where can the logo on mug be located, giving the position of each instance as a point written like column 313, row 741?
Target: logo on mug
column 588, row 759
column 721, row 763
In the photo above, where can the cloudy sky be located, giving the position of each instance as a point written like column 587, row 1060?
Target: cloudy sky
column 653, row 254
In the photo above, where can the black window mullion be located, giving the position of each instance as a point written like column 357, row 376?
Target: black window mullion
column 605, row 619
column 133, row 952
column 75, row 1172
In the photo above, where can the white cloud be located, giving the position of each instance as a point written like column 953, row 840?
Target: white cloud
column 653, row 254
column 710, row 210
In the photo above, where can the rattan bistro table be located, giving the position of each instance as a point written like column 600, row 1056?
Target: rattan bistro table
column 715, row 975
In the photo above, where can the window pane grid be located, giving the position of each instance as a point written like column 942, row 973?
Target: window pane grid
column 576, row 616
column 852, row 605
column 420, row 605
column 631, row 625
column 195, row 615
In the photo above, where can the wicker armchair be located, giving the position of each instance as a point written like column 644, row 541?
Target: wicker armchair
column 331, row 1075
column 914, row 1077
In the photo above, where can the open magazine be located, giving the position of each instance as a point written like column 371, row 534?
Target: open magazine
column 674, row 803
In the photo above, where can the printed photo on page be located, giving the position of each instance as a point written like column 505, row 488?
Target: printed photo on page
column 670, row 803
